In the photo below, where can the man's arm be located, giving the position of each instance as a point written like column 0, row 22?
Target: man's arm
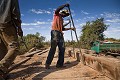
column 60, row 8
column 66, row 24
column 65, row 29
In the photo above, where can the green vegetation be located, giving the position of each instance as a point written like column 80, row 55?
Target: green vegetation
column 31, row 40
column 71, row 44
column 92, row 31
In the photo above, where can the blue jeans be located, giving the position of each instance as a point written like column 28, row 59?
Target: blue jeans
column 56, row 40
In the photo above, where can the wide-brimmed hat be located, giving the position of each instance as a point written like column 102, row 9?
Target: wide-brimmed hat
column 65, row 11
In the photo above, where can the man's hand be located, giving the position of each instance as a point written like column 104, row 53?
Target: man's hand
column 20, row 32
column 74, row 29
column 67, row 5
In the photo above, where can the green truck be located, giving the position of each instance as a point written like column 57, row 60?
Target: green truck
column 105, row 47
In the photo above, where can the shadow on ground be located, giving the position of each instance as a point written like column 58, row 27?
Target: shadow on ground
column 40, row 72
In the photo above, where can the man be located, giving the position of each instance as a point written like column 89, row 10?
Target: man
column 57, row 36
column 10, row 26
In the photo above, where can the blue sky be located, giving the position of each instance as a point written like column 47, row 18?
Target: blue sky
column 37, row 15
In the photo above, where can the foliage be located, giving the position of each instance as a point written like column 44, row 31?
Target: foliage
column 71, row 43
column 113, row 40
column 31, row 40
column 92, row 31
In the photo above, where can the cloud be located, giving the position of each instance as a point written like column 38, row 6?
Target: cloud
column 113, row 20
column 113, row 32
column 49, row 20
column 111, row 17
column 89, row 18
column 82, row 24
column 34, row 24
column 40, row 11
column 73, row 13
column 22, row 14
column 30, row 28
column 85, row 12
column 28, row 24
column 78, row 20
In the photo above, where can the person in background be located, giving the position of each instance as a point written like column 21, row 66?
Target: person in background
column 10, row 28
column 57, row 38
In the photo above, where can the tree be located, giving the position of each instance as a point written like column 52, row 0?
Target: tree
column 92, row 31
column 32, row 40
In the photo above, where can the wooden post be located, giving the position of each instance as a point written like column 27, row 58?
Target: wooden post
column 78, row 56
column 69, row 53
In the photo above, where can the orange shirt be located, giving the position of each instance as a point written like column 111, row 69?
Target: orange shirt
column 57, row 23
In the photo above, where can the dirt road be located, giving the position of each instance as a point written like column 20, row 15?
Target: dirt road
column 34, row 70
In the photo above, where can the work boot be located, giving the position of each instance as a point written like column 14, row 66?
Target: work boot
column 60, row 66
column 47, row 66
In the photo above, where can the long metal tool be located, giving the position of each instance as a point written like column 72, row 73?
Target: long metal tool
column 81, row 55
column 72, row 40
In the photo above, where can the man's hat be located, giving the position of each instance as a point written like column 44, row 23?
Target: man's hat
column 65, row 11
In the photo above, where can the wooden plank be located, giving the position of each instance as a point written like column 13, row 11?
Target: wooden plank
column 43, row 52
column 31, row 53
column 18, row 64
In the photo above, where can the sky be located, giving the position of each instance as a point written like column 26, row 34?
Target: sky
column 37, row 15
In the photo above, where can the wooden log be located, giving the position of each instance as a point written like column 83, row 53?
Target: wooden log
column 110, row 67
column 78, row 57
column 32, row 49
column 31, row 53
column 18, row 64
column 107, row 66
column 42, row 52
column 69, row 53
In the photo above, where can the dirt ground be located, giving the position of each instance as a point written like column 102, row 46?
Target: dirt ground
column 34, row 69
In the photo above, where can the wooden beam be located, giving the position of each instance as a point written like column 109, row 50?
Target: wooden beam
column 42, row 52
column 31, row 53
column 18, row 64
column 107, row 66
